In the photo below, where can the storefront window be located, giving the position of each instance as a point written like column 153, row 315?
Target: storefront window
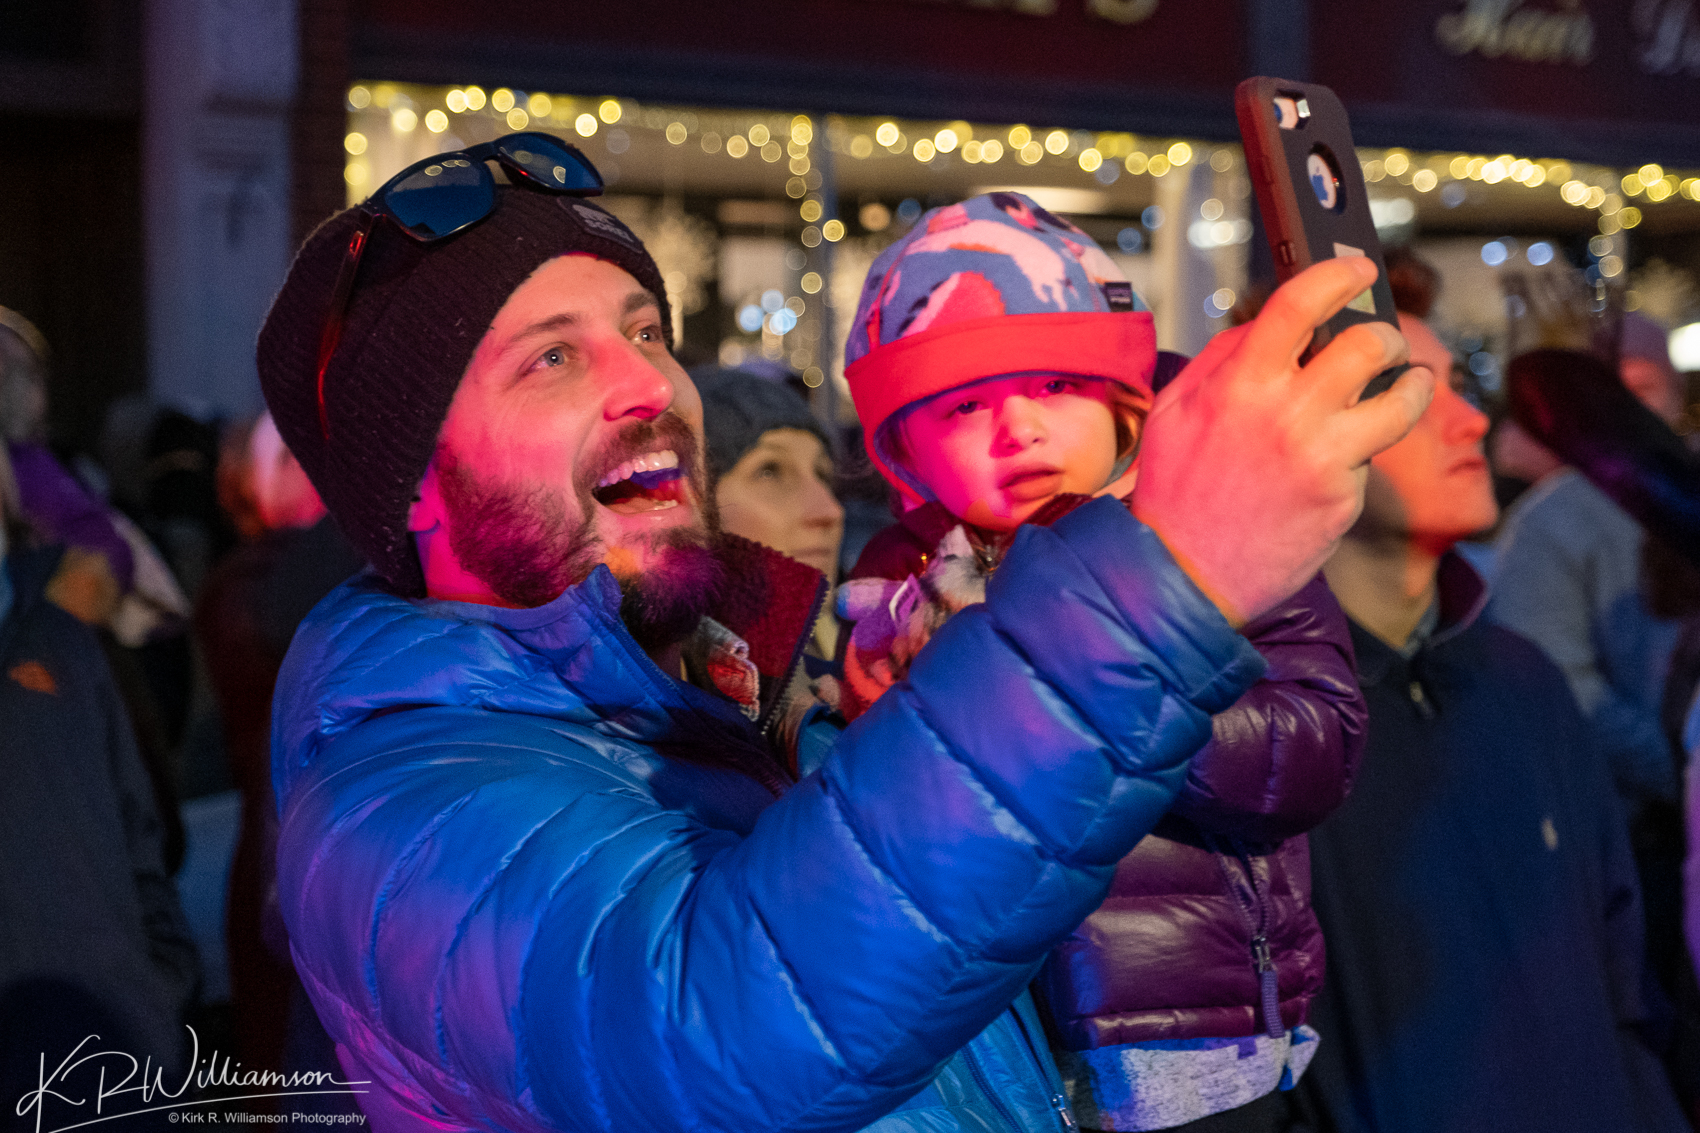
column 764, row 223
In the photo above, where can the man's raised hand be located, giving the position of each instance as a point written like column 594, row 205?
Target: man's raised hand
column 1252, row 468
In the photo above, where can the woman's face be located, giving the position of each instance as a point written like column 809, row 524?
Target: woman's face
column 780, row 494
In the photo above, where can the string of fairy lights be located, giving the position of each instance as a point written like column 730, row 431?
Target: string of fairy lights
column 1104, row 156
column 408, row 121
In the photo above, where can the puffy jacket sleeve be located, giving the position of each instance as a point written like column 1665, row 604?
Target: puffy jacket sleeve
column 1282, row 758
column 513, row 927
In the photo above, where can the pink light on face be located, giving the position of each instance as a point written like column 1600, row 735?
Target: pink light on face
column 996, row 451
column 1433, row 487
column 780, row 494
column 1657, row 384
column 573, row 363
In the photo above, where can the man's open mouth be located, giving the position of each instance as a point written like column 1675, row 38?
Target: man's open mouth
column 651, row 482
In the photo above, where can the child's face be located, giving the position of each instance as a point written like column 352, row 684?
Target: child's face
column 996, row 451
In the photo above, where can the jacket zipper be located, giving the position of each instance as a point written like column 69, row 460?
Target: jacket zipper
column 1255, row 916
column 1065, row 1116
column 764, row 725
column 985, row 1085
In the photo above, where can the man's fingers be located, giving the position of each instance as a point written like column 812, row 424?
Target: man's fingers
column 1300, row 305
column 1206, row 361
column 1373, row 425
column 1341, row 370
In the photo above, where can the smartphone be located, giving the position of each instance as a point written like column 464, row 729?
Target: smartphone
column 1310, row 190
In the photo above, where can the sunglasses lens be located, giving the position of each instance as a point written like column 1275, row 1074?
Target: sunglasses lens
column 442, row 198
column 552, row 163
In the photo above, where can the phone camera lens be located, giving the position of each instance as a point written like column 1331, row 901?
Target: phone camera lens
column 1325, row 179
column 1286, row 113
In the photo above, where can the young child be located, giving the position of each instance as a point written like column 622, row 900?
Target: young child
column 1002, row 368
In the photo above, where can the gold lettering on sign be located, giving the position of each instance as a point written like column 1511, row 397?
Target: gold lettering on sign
column 1496, row 28
column 1020, row 7
column 1115, row 11
column 1667, row 38
column 1121, row 11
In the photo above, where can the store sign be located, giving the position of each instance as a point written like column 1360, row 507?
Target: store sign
column 1008, row 53
column 1667, row 37
column 1505, row 28
column 1614, row 78
column 1121, row 11
column 1116, row 11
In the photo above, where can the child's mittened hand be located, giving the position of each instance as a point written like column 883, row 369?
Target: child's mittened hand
column 1252, row 467
column 894, row 620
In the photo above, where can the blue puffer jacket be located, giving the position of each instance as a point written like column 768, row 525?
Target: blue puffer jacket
column 528, row 887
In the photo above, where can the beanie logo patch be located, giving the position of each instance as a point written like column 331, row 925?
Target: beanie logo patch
column 1119, row 295
column 599, row 221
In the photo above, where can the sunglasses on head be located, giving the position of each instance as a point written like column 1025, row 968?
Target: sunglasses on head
column 446, row 194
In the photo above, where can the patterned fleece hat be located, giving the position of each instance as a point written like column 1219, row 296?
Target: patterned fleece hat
column 990, row 287
column 417, row 313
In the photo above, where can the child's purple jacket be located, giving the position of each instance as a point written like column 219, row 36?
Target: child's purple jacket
column 1168, row 953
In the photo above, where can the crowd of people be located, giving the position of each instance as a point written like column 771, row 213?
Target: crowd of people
column 1173, row 761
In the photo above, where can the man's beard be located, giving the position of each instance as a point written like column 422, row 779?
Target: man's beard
column 520, row 542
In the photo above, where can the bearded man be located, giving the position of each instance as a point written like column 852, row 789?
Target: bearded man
column 544, row 860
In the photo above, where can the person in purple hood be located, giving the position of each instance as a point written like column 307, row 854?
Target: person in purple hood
column 98, row 566
column 1181, row 1003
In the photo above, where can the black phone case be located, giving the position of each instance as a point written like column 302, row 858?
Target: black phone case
column 1302, row 230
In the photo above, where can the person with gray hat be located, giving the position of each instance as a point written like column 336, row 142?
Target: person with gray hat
column 542, row 861
column 770, row 463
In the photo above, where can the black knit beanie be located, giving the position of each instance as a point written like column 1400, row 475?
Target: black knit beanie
column 417, row 313
column 738, row 407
